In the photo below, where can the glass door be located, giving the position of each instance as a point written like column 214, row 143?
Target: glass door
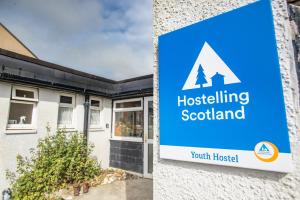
column 148, row 137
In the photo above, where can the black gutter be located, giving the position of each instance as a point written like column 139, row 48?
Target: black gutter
column 14, row 78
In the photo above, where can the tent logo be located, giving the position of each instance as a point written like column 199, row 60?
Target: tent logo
column 266, row 151
column 209, row 70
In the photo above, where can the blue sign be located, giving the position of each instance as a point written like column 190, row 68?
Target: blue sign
column 220, row 92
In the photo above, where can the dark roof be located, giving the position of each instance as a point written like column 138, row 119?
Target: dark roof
column 51, row 65
column 18, row 40
column 24, row 69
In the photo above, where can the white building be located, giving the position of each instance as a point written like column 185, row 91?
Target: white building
column 35, row 96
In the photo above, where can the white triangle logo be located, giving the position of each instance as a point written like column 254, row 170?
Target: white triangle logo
column 209, row 70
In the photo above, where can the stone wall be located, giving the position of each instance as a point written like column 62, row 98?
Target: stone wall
column 127, row 155
column 294, row 12
column 175, row 180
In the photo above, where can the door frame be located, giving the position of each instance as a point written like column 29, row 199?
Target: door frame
column 146, row 141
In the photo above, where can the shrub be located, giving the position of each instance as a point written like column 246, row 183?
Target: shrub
column 58, row 160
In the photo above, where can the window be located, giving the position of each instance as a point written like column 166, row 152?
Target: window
column 128, row 119
column 130, row 104
column 95, row 107
column 65, row 111
column 24, row 93
column 22, row 108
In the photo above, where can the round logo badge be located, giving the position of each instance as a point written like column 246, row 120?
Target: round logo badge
column 266, row 151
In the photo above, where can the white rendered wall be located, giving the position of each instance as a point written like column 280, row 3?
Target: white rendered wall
column 47, row 112
column 182, row 180
column 100, row 137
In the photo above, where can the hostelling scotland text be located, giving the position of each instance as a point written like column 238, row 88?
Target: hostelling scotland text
column 220, row 97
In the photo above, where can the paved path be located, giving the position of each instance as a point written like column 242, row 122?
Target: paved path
column 137, row 189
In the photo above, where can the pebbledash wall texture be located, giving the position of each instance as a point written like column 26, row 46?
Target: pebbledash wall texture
column 181, row 180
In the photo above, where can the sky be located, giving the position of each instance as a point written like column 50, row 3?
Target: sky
column 109, row 38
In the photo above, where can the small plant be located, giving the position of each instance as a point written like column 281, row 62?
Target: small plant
column 58, row 160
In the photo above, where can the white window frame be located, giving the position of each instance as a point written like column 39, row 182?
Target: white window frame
column 66, row 105
column 140, row 108
column 34, row 90
column 100, row 125
column 22, row 100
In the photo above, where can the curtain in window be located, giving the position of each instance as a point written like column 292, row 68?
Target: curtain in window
column 20, row 113
column 95, row 117
column 65, row 116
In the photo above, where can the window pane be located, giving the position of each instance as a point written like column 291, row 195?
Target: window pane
column 130, row 104
column 95, row 103
column 20, row 113
column 95, row 117
column 129, row 124
column 65, row 116
column 25, row 94
column 66, row 99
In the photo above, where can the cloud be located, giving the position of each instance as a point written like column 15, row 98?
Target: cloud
column 107, row 37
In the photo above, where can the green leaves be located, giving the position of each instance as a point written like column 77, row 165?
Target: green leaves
column 60, row 159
